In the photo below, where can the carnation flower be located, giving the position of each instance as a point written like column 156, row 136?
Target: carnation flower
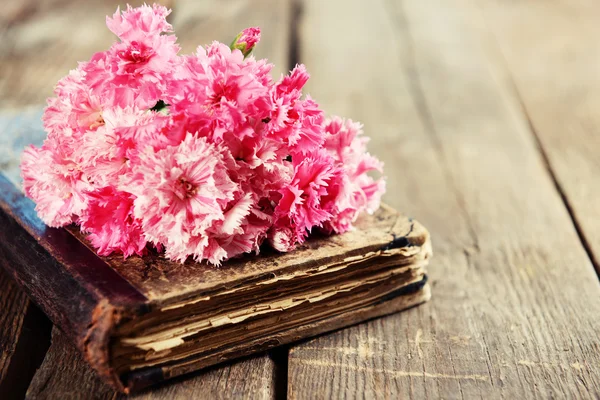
column 309, row 199
column 344, row 141
column 202, row 155
column 109, row 220
column 55, row 184
column 137, row 24
column 181, row 191
column 295, row 121
column 282, row 237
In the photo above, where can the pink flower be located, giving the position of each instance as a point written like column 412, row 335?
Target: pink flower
column 230, row 237
column 55, row 184
column 180, row 192
column 151, row 58
column 282, row 238
column 361, row 192
column 106, row 155
column 75, row 108
column 136, row 70
column 109, row 220
column 136, row 24
column 294, row 121
column 221, row 92
column 308, row 201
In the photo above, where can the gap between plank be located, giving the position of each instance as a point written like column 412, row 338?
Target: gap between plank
column 280, row 355
column 297, row 10
column 31, row 349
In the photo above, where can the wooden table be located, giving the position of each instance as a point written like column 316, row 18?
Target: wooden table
column 487, row 115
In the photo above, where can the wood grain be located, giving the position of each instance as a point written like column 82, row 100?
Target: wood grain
column 515, row 296
column 65, row 375
column 553, row 57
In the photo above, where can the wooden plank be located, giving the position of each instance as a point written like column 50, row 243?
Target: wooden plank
column 63, row 374
column 515, row 297
column 553, row 56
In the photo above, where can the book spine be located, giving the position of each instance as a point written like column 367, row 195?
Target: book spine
column 51, row 266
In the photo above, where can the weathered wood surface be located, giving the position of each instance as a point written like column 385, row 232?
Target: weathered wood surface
column 515, row 296
column 485, row 114
column 552, row 55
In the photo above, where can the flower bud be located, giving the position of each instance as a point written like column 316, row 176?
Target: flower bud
column 246, row 40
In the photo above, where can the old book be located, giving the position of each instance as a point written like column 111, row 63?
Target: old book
column 145, row 319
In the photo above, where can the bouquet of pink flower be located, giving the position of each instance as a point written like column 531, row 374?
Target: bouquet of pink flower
column 201, row 155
